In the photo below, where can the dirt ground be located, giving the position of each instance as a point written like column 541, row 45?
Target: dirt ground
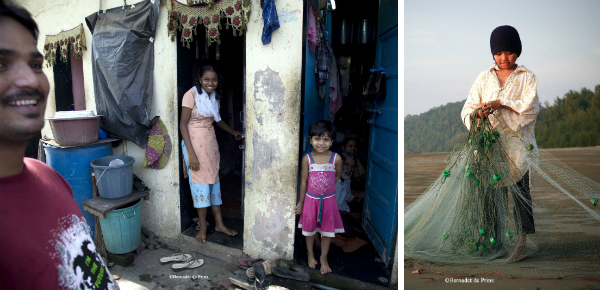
column 421, row 170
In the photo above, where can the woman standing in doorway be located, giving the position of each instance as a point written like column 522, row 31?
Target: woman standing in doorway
column 200, row 108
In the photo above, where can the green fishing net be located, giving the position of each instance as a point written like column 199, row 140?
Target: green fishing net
column 478, row 217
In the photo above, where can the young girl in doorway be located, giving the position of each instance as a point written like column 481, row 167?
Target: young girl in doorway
column 321, row 168
column 200, row 108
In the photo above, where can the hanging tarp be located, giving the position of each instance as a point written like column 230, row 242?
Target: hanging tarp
column 186, row 18
column 123, row 66
column 75, row 37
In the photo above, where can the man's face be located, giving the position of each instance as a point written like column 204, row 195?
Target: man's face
column 23, row 86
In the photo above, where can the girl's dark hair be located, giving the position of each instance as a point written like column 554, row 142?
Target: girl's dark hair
column 20, row 15
column 321, row 128
column 346, row 140
column 201, row 72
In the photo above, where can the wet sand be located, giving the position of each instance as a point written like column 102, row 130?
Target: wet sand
column 421, row 170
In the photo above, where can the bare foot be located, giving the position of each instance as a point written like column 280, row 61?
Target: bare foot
column 225, row 230
column 201, row 236
column 324, row 265
column 312, row 262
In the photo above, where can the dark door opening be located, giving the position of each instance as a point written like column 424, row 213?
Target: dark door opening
column 353, row 41
column 228, row 58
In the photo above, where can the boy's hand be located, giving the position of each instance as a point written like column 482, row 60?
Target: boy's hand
column 298, row 208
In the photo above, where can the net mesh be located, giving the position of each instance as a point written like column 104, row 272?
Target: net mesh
column 481, row 216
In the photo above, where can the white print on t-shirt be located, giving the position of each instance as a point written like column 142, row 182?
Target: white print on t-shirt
column 80, row 266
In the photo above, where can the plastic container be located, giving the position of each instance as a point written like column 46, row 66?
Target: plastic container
column 73, row 164
column 121, row 229
column 114, row 180
column 75, row 129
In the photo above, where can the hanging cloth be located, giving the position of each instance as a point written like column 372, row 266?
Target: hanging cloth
column 311, row 31
column 159, row 146
column 335, row 92
column 271, row 22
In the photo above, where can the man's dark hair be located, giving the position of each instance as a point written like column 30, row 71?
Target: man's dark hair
column 321, row 128
column 20, row 15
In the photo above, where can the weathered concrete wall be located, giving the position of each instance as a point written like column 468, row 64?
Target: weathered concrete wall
column 273, row 102
column 161, row 213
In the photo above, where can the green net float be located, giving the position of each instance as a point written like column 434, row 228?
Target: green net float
column 489, row 143
column 482, row 232
column 476, row 182
column 478, row 243
column 444, row 236
column 594, row 201
column 493, row 138
column 446, row 173
column 530, row 147
column 469, row 174
column 486, row 133
column 484, row 248
column 480, row 138
column 509, row 234
column 497, row 177
column 492, row 183
column 493, row 241
column 496, row 134
column 469, row 141
column 471, row 239
column 467, row 167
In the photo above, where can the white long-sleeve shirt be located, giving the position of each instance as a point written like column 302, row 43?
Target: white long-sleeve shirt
column 519, row 93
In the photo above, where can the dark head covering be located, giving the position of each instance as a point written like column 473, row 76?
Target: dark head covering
column 505, row 38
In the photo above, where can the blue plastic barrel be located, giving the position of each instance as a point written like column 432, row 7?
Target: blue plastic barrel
column 73, row 164
column 122, row 229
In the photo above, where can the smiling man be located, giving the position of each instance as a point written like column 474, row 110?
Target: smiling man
column 46, row 243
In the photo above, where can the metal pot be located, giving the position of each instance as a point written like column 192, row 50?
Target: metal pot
column 346, row 32
column 365, row 31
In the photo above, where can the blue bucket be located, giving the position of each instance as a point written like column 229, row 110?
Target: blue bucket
column 114, row 181
column 122, row 230
column 73, row 164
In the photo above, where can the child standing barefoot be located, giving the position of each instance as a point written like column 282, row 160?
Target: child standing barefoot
column 321, row 168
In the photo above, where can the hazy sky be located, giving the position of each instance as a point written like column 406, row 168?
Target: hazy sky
column 447, row 44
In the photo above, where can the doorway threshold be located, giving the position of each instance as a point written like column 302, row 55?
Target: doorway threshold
column 236, row 242
column 363, row 264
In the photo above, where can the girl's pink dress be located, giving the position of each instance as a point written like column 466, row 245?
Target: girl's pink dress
column 320, row 212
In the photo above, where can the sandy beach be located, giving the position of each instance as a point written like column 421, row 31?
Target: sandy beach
column 421, row 170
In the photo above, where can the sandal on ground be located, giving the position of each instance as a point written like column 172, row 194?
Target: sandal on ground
column 261, row 282
column 289, row 274
column 191, row 264
column 178, row 257
column 267, row 265
column 248, row 262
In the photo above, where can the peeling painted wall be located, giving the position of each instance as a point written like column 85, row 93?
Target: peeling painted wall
column 273, row 100
column 161, row 213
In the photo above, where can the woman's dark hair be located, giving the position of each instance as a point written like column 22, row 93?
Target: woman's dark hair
column 346, row 140
column 20, row 15
column 201, row 72
column 321, row 128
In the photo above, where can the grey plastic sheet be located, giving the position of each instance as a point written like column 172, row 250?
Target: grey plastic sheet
column 123, row 68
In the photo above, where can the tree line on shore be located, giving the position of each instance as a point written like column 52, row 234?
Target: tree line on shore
column 572, row 121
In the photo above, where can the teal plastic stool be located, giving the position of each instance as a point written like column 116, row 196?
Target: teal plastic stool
column 122, row 230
